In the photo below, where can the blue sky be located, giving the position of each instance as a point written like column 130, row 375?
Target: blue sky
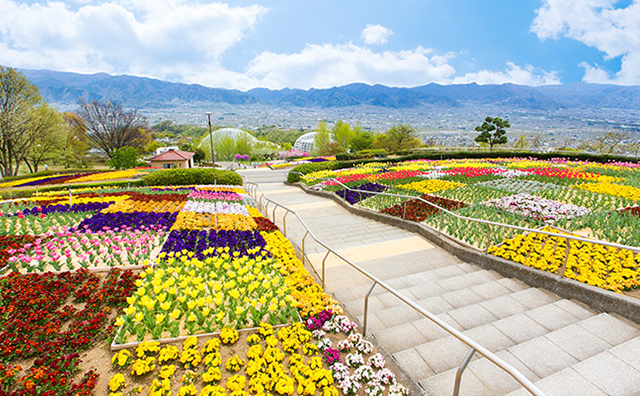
column 301, row 44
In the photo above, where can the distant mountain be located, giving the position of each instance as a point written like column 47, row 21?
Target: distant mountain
column 68, row 88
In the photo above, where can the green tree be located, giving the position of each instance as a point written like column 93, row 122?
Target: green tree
column 362, row 140
column 18, row 99
column 243, row 145
column 73, row 154
column 322, row 138
column 522, row 143
column 398, row 138
column 198, row 153
column 493, row 131
column 49, row 137
column 343, row 134
column 124, row 158
column 110, row 127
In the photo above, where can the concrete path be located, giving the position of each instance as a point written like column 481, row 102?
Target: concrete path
column 564, row 347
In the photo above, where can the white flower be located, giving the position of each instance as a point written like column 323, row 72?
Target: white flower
column 385, row 376
column 318, row 334
column 398, row 390
column 344, row 345
column 364, row 346
column 377, row 361
column 324, row 344
column 354, row 360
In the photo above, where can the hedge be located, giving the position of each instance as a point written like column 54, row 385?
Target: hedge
column 293, row 177
column 181, row 177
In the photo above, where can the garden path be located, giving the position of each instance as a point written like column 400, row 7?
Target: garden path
column 561, row 345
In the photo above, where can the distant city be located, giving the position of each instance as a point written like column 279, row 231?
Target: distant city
column 447, row 127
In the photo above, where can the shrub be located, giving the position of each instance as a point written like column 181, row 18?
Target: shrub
column 346, row 156
column 181, row 177
column 125, row 158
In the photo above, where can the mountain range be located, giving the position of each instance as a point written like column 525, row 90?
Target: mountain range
column 67, row 88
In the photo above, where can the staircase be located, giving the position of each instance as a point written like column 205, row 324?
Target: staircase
column 561, row 345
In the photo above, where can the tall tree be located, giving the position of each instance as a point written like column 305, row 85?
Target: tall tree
column 110, row 126
column 606, row 143
column 76, row 144
column 18, row 99
column 493, row 131
column 322, row 138
column 343, row 134
column 398, row 138
column 49, row 137
column 362, row 140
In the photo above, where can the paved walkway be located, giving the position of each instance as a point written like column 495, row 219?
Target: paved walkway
column 561, row 345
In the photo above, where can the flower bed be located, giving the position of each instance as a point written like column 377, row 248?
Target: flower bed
column 631, row 211
column 518, row 186
column 53, row 317
column 354, row 197
column 77, row 248
column 596, row 265
column 220, row 274
column 430, row 186
column 416, row 210
column 538, row 208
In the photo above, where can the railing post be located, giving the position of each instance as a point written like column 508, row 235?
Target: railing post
column 303, row 239
column 265, row 210
column 488, row 238
column 323, row 266
column 274, row 214
column 463, row 366
column 284, row 223
column 404, row 210
column 366, row 309
column 566, row 258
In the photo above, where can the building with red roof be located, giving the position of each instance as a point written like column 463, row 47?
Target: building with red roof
column 173, row 159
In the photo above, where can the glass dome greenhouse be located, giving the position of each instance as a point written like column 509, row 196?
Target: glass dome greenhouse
column 305, row 142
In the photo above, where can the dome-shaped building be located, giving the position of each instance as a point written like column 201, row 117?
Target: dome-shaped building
column 305, row 142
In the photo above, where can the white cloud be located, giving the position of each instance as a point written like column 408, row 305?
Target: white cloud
column 186, row 41
column 375, row 34
column 328, row 65
column 598, row 24
column 514, row 74
column 165, row 38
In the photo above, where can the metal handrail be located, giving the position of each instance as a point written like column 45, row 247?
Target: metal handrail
column 253, row 189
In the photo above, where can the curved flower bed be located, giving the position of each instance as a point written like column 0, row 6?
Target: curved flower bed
column 594, row 199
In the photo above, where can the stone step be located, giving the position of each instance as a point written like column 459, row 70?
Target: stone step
column 537, row 358
column 422, row 280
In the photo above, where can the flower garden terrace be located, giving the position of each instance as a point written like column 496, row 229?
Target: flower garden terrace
column 193, row 289
column 586, row 199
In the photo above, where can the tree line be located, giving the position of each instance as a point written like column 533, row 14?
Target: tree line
column 33, row 133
